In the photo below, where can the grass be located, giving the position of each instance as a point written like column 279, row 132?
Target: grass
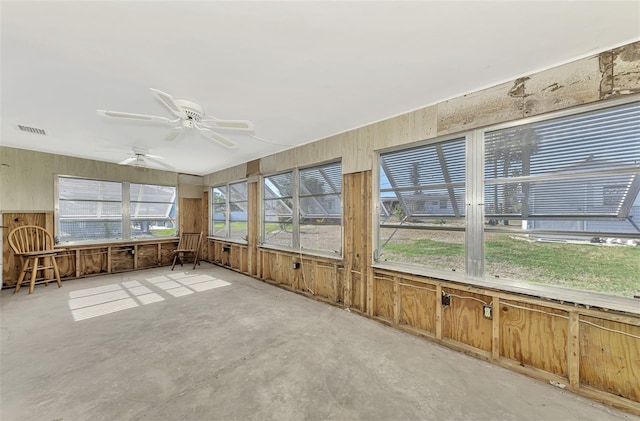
column 609, row 269
column 164, row 232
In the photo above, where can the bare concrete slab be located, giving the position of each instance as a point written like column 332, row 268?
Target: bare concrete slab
column 212, row 344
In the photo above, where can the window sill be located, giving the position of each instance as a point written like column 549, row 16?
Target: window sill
column 551, row 293
column 227, row 240
column 303, row 252
column 106, row 243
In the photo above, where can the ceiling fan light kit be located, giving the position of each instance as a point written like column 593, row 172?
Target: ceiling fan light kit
column 191, row 116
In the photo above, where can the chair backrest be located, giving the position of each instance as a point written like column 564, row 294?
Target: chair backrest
column 190, row 241
column 29, row 239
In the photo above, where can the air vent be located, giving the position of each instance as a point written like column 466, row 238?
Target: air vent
column 32, row 130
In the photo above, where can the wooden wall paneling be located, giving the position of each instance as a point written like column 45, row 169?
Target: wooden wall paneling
column 204, row 225
column 357, row 233
column 11, row 264
column 497, row 104
column 166, row 253
column 384, row 297
column 463, row 321
column 417, row 305
column 495, row 330
column 439, row 313
column 534, row 336
column 324, row 280
column 121, row 259
column 147, row 256
column 573, row 349
column 253, row 222
column 190, row 215
column 561, row 87
column 92, row 261
column 66, row 261
column 626, row 76
column 610, row 361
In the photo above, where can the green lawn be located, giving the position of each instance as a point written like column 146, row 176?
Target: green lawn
column 610, row 269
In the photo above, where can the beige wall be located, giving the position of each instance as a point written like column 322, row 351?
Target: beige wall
column 600, row 77
column 27, row 184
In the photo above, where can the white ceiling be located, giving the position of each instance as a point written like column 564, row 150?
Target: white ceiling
column 300, row 71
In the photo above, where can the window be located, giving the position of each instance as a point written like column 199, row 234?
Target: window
column 422, row 201
column 229, row 211
column 561, row 201
column 152, row 210
column 303, row 209
column 553, row 202
column 105, row 210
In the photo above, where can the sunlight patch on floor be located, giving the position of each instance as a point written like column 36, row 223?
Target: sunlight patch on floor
column 99, row 301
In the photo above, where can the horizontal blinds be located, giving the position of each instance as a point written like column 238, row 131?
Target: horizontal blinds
column 426, row 180
column 582, row 165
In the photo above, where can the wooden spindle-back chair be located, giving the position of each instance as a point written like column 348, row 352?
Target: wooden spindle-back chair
column 35, row 245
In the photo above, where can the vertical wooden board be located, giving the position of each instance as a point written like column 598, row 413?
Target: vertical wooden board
column 383, row 297
column 626, row 69
column 204, row 224
column 357, row 292
column 463, row 321
column 190, row 215
column 610, row 361
column 147, row 256
column 166, row 253
column 93, row 261
column 406, row 128
column 497, row 104
column 533, row 338
column 66, row 261
column 11, row 265
column 121, row 260
column 323, row 281
column 564, row 86
column 340, row 285
column 417, row 306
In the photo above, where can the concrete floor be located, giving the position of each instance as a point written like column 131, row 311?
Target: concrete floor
column 144, row 346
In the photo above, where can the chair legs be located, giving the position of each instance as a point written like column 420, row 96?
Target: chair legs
column 34, row 260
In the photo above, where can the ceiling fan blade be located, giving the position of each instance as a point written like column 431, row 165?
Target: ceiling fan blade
column 173, row 134
column 157, row 161
column 216, row 137
column 170, row 103
column 128, row 161
column 131, row 116
column 235, row 125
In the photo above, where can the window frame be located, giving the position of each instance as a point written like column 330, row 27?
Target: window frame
column 295, row 211
column 227, row 220
column 475, row 227
column 125, row 213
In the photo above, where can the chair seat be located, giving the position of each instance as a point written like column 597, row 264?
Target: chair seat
column 39, row 253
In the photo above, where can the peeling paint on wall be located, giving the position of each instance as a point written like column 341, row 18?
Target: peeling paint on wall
column 626, row 69
column 606, row 74
column 571, row 84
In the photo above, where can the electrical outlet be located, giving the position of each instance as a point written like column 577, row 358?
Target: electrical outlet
column 296, row 265
column 446, row 299
column 487, row 311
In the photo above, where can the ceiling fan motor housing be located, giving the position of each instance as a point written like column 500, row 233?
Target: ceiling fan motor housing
column 191, row 109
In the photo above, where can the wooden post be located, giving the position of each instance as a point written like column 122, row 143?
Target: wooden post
column 396, row 301
column 573, row 351
column 439, row 320
column 495, row 331
column 77, row 263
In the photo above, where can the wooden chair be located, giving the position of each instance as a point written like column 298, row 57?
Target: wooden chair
column 35, row 245
column 188, row 246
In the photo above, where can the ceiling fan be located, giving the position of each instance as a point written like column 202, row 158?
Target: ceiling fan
column 141, row 156
column 190, row 116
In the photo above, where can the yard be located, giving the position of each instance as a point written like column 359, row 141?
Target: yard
column 610, row 269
